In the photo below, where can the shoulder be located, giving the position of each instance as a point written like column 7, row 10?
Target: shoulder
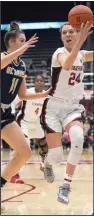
column 2, row 54
column 55, row 55
column 82, row 54
column 59, row 50
column 22, row 63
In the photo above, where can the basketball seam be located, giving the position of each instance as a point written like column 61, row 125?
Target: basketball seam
column 76, row 24
column 78, row 14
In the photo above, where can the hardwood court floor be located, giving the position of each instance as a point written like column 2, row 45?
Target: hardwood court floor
column 37, row 197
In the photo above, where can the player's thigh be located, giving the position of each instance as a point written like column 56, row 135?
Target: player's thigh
column 13, row 135
column 73, row 123
column 54, row 139
column 50, row 117
column 75, row 117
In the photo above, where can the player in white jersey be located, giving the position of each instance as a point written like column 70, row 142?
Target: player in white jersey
column 62, row 109
column 29, row 120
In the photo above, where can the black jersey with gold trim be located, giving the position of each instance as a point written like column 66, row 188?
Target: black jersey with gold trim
column 11, row 78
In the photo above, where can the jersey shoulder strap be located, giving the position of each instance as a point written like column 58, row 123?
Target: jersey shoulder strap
column 5, row 52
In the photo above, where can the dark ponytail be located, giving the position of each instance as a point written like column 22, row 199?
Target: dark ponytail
column 14, row 26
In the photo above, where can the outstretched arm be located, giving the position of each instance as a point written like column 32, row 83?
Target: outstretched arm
column 89, row 56
column 24, row 94
column 67, row 62
column 6, row 59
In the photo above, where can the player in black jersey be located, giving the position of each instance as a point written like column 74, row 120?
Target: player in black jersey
column 13, row 83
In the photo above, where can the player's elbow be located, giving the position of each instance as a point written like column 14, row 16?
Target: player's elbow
column 3, row 64
column 22, row 96
column 66, row 67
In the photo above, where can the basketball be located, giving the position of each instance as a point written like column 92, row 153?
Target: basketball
column 80, row 14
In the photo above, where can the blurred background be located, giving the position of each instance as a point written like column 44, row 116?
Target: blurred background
column 45, row 18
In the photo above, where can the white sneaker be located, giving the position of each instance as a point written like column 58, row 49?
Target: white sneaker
column 63, row 194
column 48, row 173
column 2, row 207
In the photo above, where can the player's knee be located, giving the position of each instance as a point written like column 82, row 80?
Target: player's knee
column 29, row 153
column 77, row 139
column 55, row 155
column 26, row 152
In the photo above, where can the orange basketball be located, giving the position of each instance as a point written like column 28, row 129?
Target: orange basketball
column 80, row 14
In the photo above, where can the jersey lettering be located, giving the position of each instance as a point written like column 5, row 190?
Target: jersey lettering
column 13, row 85
column 37, row 111
column 74, row 78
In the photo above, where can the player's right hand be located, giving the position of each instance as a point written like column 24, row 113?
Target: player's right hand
column 84, row 32
column 30, row 43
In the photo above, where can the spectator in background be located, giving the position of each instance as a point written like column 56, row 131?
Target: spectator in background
column 31, row 66
column 86, row 127
column 91, row 139
column 43, row 64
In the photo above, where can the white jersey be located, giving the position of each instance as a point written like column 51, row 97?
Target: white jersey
column 32, row 108
column 29, row 116
column 14, row 103
column 67, row 84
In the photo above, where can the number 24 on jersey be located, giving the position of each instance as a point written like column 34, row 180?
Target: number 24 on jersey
column 74, row 78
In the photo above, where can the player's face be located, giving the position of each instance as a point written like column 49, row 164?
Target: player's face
column 39, row 84
column 18, row 42
column 69, row 36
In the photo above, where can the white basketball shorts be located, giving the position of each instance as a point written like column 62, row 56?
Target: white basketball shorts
column 32, row 129
column 57, row 114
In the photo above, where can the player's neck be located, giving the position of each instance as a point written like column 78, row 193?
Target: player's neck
column 37, row 91
column 69, row 49
column 10, row 51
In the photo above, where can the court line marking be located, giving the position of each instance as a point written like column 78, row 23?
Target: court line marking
column 62, row 163
column 18, row 201
column 32, row 187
